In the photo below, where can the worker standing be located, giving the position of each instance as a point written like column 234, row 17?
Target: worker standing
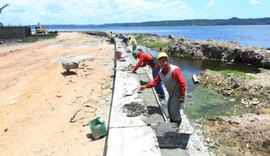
column 175, row 84
column 147, row 59
column 132, row 42
column 111, row 37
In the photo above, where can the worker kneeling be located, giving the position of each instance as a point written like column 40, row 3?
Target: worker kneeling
column 175, row 83
column 147, row 59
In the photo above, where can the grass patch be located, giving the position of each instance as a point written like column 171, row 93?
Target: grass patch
column 233, row 72
column 139, row 38
column 149, row 42
column 35, row 38
column 237, row 73
column 262, row 70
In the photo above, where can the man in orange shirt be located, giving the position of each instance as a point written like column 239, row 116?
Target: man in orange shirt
column 175, row 83
column 148, row 59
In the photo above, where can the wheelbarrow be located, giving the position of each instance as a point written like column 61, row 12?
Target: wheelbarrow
column 70, row 65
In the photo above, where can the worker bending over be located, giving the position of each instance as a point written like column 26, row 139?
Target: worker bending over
column 147, row 59
column 175, row 83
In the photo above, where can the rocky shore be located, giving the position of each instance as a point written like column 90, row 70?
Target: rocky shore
column 227, row 51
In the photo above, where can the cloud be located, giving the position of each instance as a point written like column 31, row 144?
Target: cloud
column 95, row 11
column 254, row 1
column 211, row 3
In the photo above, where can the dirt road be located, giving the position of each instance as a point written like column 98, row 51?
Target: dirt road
column 37, row 100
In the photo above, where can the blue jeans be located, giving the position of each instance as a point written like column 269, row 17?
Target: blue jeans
column 158, row 87
column 125, row 40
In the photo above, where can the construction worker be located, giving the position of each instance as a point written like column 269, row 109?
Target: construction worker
column 132, row 42
column 147, row 59
column 111, row 37
column 124, row 39
column 175, row 83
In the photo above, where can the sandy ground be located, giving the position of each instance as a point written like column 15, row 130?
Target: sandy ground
column 37, row 100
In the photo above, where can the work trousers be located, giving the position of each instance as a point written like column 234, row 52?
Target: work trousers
column 158, row 87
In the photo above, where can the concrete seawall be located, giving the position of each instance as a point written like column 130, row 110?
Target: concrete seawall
column 135, row 116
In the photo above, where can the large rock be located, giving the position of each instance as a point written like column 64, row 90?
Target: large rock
column 228, row 51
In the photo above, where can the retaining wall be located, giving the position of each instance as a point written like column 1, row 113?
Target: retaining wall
column 16, row 32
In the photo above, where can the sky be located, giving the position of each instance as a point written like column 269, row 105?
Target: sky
column 80, row 12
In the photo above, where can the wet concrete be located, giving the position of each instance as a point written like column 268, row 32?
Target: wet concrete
column 134, row 109
column 169, row 137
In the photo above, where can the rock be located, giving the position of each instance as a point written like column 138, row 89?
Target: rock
column 255, row 101
column 225, row 51
column 234, row 121
column 171, row 37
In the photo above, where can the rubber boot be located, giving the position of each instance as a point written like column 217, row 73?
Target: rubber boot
column 178, row 122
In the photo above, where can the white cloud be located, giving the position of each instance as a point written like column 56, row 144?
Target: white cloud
column 211, row 3
column 93, row 11
column 254, row 1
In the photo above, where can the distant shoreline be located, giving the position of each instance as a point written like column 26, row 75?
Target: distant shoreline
column 191, row 22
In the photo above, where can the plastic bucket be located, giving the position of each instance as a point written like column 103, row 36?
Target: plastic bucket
column 118, row 55
column 98, row 127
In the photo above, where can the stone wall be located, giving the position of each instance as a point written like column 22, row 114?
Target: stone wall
column 15, row 32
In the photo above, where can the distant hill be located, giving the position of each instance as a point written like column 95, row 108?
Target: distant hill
column 193, row 22
column 199, row 22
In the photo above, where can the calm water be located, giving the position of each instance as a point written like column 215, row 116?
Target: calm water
column 250, row 35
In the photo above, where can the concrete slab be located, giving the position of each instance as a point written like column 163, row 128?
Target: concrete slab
column 132, row 141
column 168, row 136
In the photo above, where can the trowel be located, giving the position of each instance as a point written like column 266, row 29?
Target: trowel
column 136, row 90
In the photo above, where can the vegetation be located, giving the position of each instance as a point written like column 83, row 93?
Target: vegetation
column 35, row 38
column 233, row 72
column 236, row 73
column 150, row 42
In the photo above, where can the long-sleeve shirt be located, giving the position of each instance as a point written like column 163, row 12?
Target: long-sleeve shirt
column 144, row 59
column 132, row 41
column 177, row 75
column 111, row 35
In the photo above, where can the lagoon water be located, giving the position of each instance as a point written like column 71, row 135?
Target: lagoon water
column 249, row 35
column 200, row 102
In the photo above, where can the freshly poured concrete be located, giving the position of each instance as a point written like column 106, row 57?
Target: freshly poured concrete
column 136, row 135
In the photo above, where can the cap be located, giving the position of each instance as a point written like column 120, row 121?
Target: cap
column 162, row 54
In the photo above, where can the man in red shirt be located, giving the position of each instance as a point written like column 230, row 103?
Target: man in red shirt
column 175, row 83
column 147, row 59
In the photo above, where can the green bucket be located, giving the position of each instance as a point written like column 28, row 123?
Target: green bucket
column 98, row 127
